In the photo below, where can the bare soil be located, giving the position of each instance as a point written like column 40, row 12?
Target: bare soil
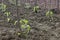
column 41, row 26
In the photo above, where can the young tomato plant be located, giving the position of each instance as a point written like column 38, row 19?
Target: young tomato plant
column 49, row 14
column 25, row 28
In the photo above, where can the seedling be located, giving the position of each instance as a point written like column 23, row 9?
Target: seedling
column 3, row 7
column 27, row 5
column 24, row 26
column 36, row 8
column 7, row 13
column 49, row 14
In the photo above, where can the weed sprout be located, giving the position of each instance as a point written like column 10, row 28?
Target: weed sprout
column 36, row 8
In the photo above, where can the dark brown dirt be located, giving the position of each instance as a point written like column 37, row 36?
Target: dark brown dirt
column 41, row 27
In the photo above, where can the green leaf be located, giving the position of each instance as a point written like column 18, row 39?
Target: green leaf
column 3, row 7
column 18, row 34
column 28, row 27
column 21, row 21
column 15, row 22
column 36, row 8
column 24, row 21
column 7, row 13
column 8, row 19
column 23, row 26
column 49, row 13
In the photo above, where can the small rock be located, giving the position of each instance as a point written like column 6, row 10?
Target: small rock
column 57, row 24
column 3, row 33
column 40, row 24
